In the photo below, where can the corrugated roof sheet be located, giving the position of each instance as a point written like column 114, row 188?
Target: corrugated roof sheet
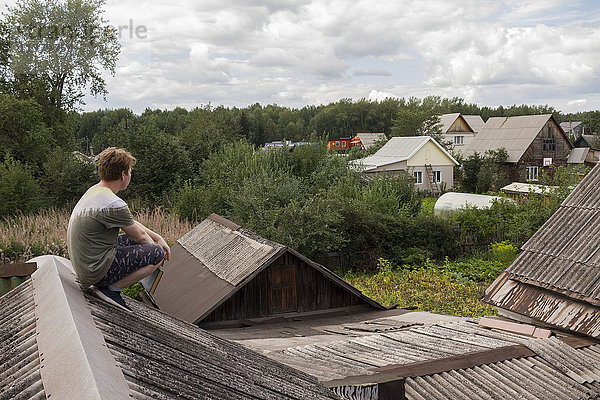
column 475, row 122
column 552, row 370
column 446, row 120
column 160, row 357
column 525, row 188
column 368, row 139
column 229, row 254
column 556, row 277
column 515, row 134
column 398, row 149
column 578, row 155
column 19, row 358
column 402, row 148
column 569, row 125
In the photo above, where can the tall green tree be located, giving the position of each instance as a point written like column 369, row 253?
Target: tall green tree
column 59, row 47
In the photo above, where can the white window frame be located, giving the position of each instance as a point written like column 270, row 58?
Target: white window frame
column 532, row 173
column 437, row 176
column 459, row 140
column 418, row 175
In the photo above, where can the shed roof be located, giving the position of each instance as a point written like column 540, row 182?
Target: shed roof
column 368, row 139
column 57, row 341
column 399, row 149
column 578, row 155
column 587, row 141
column 214, row 260
column 556, row 277
column 515, row 134
column 520, row 187
column 453, row 359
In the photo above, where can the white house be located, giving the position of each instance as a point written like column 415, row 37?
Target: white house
column 431, row 166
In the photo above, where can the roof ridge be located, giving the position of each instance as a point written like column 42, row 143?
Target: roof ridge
column 78, row 365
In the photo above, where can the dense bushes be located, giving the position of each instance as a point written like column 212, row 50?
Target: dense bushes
column 306, row 198
column 18, row 189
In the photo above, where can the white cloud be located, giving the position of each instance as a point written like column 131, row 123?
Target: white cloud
column 296, row 52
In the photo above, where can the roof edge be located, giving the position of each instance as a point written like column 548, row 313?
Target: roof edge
column 395, row 372
column 224, row 221
column 511, row 294
column 78, row 365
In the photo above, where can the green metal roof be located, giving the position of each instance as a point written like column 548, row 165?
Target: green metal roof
column 12, row 275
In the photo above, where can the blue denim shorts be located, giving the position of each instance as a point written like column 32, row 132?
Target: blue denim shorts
column 130, row 257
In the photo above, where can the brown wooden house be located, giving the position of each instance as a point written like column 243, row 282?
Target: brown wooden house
column 533, row 142
column 220, row 271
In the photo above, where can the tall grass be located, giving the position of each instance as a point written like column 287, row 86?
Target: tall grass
column 25, row 236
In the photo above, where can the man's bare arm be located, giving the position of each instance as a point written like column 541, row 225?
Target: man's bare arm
column 140, row 234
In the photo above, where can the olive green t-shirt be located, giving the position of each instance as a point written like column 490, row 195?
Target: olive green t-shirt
column 93, row 231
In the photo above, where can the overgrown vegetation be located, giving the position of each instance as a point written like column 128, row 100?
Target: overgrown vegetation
column 451, row 287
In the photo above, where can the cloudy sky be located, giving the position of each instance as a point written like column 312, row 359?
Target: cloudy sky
column 298, row 52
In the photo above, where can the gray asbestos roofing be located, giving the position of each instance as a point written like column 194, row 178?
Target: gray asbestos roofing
column 475, row 122
column 230, row 254
column 19, row 358
column 578, row 155
column 556, row 277
column 446, row 120
column 553, row 370
column 399, row 149
column 102, row 352
column 369, row 139
column 515, row 134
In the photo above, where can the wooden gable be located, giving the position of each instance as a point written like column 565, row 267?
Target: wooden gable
column 550, row 143
column 459, row 126
column 287, row 285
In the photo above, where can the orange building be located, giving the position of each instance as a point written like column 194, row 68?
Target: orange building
column 339, row 144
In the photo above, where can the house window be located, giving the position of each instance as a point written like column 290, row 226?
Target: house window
column 532, row 173
column 418, row 176
column 459, row 140
column 437, row 176
column 549, row 143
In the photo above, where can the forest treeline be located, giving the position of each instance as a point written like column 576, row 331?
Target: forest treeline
column 193, row 163
column 171, row 145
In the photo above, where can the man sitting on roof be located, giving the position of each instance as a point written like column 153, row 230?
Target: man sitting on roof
column 100, row 256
